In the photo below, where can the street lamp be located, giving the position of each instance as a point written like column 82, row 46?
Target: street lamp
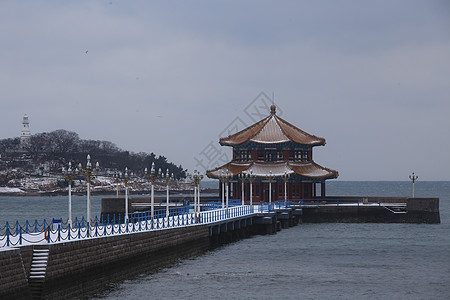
column 117, row 181
column 251, row 177
column 125, row 178
column 89, row 173
column 196, row 178
column 192, row 177
column 168, row 179
column 228, row 176
column 413, row 178
column 241, row 176
column 152, row 177
column 68, row 175
column 270, row 178
column 285, row 177
column 222, row 180
column 199, row 178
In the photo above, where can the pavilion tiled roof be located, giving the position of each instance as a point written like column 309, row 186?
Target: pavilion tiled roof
column 309, row 169
column 272, row 130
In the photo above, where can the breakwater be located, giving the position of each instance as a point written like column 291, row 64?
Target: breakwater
column 372, row 210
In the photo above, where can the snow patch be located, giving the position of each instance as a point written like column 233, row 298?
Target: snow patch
column 10, row 190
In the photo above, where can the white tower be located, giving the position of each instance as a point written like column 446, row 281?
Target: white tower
column 26, row 134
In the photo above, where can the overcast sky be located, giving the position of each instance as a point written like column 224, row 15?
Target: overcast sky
column 170, row 77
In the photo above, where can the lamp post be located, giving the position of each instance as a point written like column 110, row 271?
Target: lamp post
column 68, row 175
column 251, row 177
column 228, row 177
column 413, row 178
column 285, row 177
column 125, row 178
column 196, row 178
column 199, row 178
column 89, row 173
column 193, row 178
column 152, row 177
column 270, row 178
column 168, row 179
column 222, row 180
column 241, row 177
column 117, row 181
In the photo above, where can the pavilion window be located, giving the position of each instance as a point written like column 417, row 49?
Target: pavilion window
column 305, row 156
column 291, row 155
column 236, row 155
column 280, row 155
column 270, row 156
column 243, row 156
column 261, row 155
column 298, row 155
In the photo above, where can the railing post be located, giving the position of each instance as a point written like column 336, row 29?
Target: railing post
column 26, row 230
column 20, row 236
column 7, row 234
column 35, row 225
column 68, row 231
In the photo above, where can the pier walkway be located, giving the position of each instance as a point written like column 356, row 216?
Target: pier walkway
column 212, row 214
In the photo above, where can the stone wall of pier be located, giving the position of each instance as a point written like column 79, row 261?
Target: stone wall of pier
column 13, row 278
column 82, row 266
column 418, row 210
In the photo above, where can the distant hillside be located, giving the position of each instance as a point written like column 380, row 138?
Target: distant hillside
column 48, row 152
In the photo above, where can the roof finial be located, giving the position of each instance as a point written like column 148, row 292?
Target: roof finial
column 273, row 109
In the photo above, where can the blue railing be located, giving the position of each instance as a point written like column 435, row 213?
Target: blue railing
column 16, row 234
column 57, row 230
column 212, row 205
column 160, row 213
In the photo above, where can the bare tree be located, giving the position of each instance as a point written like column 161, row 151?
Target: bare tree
column 63, row 142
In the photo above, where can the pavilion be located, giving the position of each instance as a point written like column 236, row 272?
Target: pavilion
column 272, row 160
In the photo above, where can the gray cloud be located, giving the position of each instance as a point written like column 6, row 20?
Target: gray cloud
column 169, row 76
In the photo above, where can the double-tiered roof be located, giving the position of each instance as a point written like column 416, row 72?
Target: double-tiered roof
column 274, row 131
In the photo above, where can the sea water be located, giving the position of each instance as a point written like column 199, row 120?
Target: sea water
column 318, row 261
column 309, row 261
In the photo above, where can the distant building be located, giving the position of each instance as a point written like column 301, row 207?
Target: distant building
column 25, row 134
column 273, row 150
